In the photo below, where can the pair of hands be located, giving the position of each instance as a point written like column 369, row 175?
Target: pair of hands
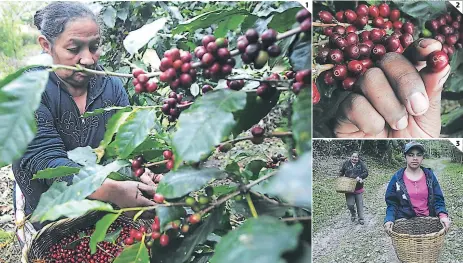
column 132, row 194
column 400, row 98
column 444, row 220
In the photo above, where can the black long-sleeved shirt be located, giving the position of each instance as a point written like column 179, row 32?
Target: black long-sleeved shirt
column 354, row 171
column 60, row 128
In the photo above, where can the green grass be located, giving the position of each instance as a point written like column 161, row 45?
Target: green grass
column 451, row 181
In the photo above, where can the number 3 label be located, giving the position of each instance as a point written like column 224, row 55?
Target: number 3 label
column 458, row 5
column 458, row 143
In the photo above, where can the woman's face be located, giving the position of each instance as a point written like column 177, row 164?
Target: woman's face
column 77, row 45
column 414, row 158
column 354, row 158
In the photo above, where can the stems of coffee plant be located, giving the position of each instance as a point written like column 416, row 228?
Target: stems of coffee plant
column 273, row 134
column 79, row 68
column 290, row 219
column 148, row 208
column 231, row 195
column 278, row 88
column 320, row 24
column 156, row 163
column 251, row 206
column 318, row 69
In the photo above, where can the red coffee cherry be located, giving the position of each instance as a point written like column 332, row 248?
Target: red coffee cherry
column 352, row 52
column 378, row 51
column 437, row 60
column 350, row 15
column 373, row 11
column 432, row 25
column 378, row 22
column 355, row 67
column 302, row 15
column 392, row 43
column 408, row 27
column 364, row 50
column 394, row 15
column 361, row 21
column 335, row 56
column 158, row 198
column 194, row 219
column 384, row 10
column 164, row 240
column 348, row 83
column 340, row 16
column 340, row 72
column 352, row 39
column 406, row 39
column 367, row 63
column 362, row 10
column 325, row 16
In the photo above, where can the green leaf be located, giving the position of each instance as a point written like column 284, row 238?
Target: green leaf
column 231, row 23
column 112, row 237
column 206, row 123
column 114, row 123
column 258, row 240
column 292, row 182
column 455, row 81
column 263, row 207
column 254, row 167
column 179, row 183
column 207, row 19
column 233, row 167
column 83, row 155
column 109, row 16
column 123, row 13
column 225, row 189
column 136, row 253
column 300, row 121
column 134, row 131
column 256, row 108
column 103, row 110
column 188, row 244
column 267, row 8
column 300, row 55
column 84, row 184
column 169, row 214
column 140, row 37
column 101, row 228
column 20, row 95
column 280, row 21
column 422, row 10
column 51, row 173
column 73, row 209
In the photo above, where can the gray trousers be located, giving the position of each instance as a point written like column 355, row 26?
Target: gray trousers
column 355, row 199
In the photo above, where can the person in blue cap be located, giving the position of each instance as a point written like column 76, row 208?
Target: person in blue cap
column 414, row 191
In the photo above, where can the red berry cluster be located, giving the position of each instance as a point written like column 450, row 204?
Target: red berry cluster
column 215, row 57
column 75, row 249
column 353, row 53
column 137, row 166
column 142, row 82
column 448, row 29
column 176, row 69
column 257, row 134
column 170, row 106
column 302, row 80
column 304, row 17
column 257, row 51
column 169, row 156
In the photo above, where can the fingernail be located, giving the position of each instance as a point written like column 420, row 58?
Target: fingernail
column 402, row 123
column 426, row 42
column 418, row 103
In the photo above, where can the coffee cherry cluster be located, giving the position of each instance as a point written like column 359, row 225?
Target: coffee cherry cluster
column 352, row 52
column 170, row 106
column 215, row 57
column 302, row 80
column 276, row 161
column 137, row 166
column 169, row 156
column 176, row 69
column 304, row 17
column 142, row 82
column 447, row 29
column 73, row 248
column 257, row 134
column 258, row 51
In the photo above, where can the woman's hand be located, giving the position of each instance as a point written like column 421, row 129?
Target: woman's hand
column 388, row 226
column 398, row 99
column 446, row 222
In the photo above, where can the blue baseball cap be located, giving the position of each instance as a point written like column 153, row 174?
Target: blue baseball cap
column 410, row 145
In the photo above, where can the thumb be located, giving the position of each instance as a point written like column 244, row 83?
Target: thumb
column 420, row 49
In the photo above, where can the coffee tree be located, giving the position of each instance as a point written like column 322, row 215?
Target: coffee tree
column 349, row 39
column 234, row 65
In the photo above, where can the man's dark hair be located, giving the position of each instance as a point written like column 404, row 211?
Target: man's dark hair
column 52, row 19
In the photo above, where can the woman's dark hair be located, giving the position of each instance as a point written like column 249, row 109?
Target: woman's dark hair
column 52, row 19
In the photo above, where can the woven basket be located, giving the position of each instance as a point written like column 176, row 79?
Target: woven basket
column 52, row 233
column 345, row 184
column 418, row 240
